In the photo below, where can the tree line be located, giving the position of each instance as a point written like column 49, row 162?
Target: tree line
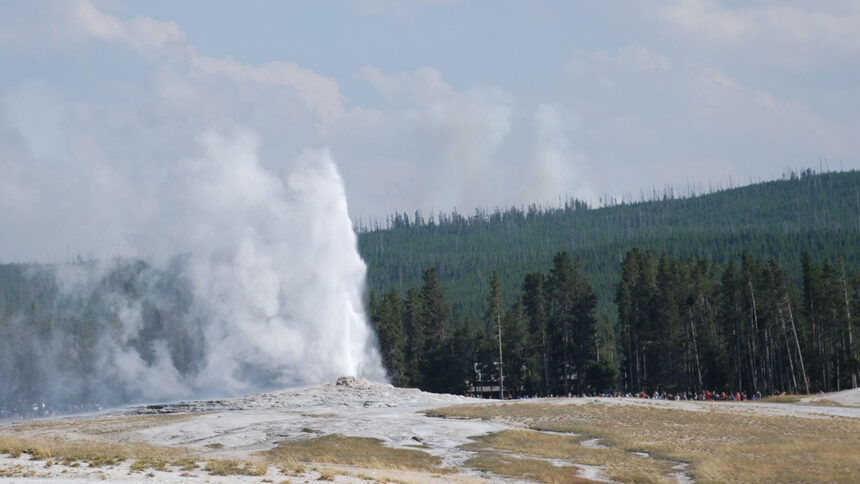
column 683, row 324
column 803, row 212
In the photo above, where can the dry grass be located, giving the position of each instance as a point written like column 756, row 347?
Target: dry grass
column 326, row 476
column 95, row 454
column 499, row 447
column 142, row 458
column 524, row 468
column 791, row 398
column 149, row 463
column 823, row 402
column 808, row 400
column 221, row 467
column 720, row 446
column 87, row 442
column 92, row 453
column 355, row 451
column 100, row 426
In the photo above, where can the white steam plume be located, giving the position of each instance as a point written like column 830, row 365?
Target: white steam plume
column 253, row 281
column 222, row 255
column 276, row 258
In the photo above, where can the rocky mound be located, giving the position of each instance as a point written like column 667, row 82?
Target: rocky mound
column 347, row 391
column 849, row 398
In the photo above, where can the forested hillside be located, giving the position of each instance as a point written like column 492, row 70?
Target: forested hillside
column 805, row 212
column 686, row 326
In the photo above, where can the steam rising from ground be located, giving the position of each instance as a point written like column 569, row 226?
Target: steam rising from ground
column 222, row 256
column 265, row 290
column 276, row 258
column 280, row 264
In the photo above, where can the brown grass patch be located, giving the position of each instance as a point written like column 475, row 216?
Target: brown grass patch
column 824, row 402
column 778, row 399
column 142, row 457
column 625, row 466
column 720, row 446
column 326, row 476
column 92, row 453
column 101, row 426
column 355, row 451
column 523, row 468
column 225, row 467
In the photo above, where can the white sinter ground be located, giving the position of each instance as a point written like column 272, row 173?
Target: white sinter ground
column 237, row 427
column 351, row 407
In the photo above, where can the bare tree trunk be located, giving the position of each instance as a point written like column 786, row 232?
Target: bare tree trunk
column 799, row 353
column 849, row 324
column 755, row 329
column 566, row 365
column 787, row 349
column 545, row 363
column 501, row 364
column 696, row 351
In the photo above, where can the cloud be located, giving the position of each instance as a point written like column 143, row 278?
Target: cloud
column 649, row 117
column 320, row 94
column 790, row 30
column 442, row 131
column 145, row 34
column 694, row 80
column 719, row 100
column 643, row 58
column 399, row 6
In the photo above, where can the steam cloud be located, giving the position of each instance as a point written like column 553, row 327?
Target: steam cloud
column 276, row 258
column 218, row 255
column 265, row 290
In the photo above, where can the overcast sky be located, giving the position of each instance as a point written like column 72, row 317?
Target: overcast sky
column 424, row 104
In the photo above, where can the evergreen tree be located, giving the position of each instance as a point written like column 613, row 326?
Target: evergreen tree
column 493, row 315
column 571, row 324
column 603, row 370
column 387, row 320
column 494, row 329
column 535, row 305
column 733, row 328
column 515, row 349
column 628, row 317
column 438, row 362
column 414, row 336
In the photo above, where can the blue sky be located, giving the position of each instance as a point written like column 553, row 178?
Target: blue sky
column 425, row 104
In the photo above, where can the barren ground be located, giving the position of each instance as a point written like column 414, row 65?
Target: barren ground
column 358, row 431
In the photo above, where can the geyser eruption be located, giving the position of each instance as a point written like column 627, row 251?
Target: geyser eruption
column 275, row 256
column 242, row 279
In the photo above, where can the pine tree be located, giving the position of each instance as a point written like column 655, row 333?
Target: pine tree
column 628, row 317
column 535, row 305
column 812, row 310
column 387, row 319
column 414, row 336
column 572, row 323
column 515, row 346
column 494, row 302
column 438, row 363
column 733, row 327
column 494, row 327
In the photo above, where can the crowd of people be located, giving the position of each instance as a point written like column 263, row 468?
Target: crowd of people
column 706, row 395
